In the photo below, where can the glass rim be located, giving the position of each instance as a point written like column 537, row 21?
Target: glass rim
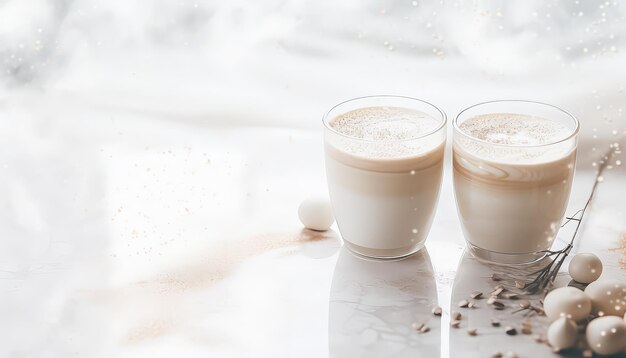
column 457, row 129
column 442, row 124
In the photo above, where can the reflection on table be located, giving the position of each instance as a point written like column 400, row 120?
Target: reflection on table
column 373, row 305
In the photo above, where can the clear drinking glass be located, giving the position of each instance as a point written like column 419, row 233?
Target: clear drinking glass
column 511, row 198
column 384, row 190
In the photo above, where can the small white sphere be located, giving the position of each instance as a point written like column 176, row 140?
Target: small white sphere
column 568, row 302
column 608, row 297
column 316, row 214
column 562, row 333
column 606, row 335
column 585, row 268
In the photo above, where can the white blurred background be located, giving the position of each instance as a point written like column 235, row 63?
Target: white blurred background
column 137, row 134
column 284, row 62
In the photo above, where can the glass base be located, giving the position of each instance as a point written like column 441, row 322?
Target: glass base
column 498, row 258
column 382, row 254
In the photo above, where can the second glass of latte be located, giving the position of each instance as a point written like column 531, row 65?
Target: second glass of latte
column 513, row 168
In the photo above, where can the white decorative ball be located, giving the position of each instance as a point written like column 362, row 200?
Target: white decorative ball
column 563, row 333
column 316, row 214
column 606, row 335
column 585, row 268
column 608, row 297
column 568, row 302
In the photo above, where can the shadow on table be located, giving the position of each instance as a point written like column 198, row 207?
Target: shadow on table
column 318, row 244
column 373, row 305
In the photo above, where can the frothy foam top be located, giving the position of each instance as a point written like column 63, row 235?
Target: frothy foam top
column 386, row 139
column 514, row 129
column 384, row 123
column 383, row 134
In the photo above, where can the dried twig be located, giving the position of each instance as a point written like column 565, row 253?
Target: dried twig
column 547, row 274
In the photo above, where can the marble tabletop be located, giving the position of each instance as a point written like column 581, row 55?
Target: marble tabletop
column 125, row 235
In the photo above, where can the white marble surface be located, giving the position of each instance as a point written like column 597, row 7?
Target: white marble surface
column 153, row 155
column 373, row 306
column 129, row 236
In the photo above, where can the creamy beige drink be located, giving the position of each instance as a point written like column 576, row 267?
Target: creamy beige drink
column 384, row 167
column 512, row 180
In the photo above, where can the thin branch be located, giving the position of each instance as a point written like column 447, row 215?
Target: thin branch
column 547, row 274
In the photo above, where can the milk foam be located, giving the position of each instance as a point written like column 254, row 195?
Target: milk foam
column 514, row 129
column 386, row 132
column 514, row 136
column 384, row 123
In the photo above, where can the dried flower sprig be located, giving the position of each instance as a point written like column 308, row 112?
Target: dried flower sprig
column 545, row 276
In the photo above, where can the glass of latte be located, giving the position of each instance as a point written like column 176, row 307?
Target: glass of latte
column 513, row 167
column 384, row 161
